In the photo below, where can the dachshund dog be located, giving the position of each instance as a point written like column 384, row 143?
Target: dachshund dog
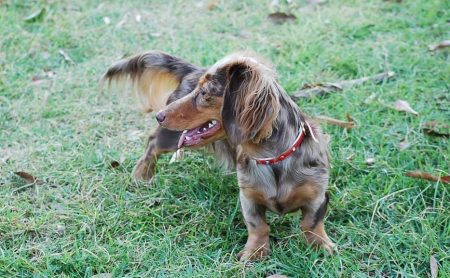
column 238, row 110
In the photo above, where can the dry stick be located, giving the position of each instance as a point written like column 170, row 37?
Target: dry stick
column 340, row 85
column 332, row 121
column 427, row 176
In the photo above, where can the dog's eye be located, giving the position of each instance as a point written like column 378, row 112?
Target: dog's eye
column 203, row 93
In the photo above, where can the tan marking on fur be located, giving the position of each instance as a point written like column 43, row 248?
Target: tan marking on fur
column 317, row 235
column 299, row 196
column 202, row 80
column 154, row 88
column 255, row 195
column 294, row 199
column 257, row 245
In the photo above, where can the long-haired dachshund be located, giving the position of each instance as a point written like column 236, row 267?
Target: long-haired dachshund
column 237, row 108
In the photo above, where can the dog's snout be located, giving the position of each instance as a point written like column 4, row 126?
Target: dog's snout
column 160, row 116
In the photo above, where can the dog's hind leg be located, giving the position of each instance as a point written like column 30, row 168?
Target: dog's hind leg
column 161, row 141
column 313, row 225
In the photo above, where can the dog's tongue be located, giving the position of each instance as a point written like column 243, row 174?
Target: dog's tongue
column 191, row 133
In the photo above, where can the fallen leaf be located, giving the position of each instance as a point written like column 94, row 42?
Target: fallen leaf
column 212, row 5
column 403, row 145
column 427, row 176
column 28, row 177
column 36, row 80
column 106, row 20
column 370, row 161
column 317, row 2
column 114, row 164
column 60, row 229
column 36, row 16
column 434, row 267
column 440, row 45
column 138, row 18
column 401, row 105
column 102, row 275
column 65, row 56
column 350, row 157
column 280, row 18
column 328, row 120
column 434, row 128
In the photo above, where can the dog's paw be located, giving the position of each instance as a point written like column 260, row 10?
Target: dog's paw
column 143, row 171
column 328, row 245
column 252, row 254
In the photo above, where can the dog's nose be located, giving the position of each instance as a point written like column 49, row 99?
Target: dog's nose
column 160, row 116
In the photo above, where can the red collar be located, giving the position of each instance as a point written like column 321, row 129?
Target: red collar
column 298, row 141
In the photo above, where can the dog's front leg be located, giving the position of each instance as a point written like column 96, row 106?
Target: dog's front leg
column 257, row 245
column 161, row 141
column 313, row 225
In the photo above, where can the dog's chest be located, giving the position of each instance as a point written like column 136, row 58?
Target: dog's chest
column 286, row 199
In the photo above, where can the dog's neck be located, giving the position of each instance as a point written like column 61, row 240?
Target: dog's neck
column 286, row 129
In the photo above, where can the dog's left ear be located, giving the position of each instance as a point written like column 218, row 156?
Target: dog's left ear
column 251, row 102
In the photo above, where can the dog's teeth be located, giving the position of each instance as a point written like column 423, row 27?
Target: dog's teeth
column 185, row 131
column 210, row 125
column 204, row 129
column 187, row 138
column 198, row 131
column 214, row 122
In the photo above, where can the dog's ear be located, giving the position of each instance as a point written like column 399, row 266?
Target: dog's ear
column 154, row 76
column 251, row 102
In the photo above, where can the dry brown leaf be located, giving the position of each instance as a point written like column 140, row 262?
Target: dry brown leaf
column 434, row 128
column 280, row 18
column 440, row 45
column 427, row 176
column 28, row 177
column 401, row 105
column 328, row 120
column 114, row 164
column 37, row 81
column 212, row 5
column 434, row 267
column 403, row 145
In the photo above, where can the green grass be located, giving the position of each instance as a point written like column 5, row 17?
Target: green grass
column 88, row 218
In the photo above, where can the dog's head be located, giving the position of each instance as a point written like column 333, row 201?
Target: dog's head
column 237, row 98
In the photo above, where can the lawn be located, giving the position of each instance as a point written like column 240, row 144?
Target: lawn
column 85, row 215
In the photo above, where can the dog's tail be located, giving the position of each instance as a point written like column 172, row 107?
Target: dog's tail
column 154, row 76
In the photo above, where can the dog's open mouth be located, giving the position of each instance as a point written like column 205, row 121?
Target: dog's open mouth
column 196, row 135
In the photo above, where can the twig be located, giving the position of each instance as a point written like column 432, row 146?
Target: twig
column 322, row 89
column 328, row 120
column 427, row 176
